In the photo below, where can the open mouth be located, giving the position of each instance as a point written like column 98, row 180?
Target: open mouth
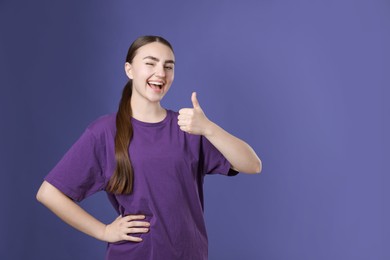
column 157, row 85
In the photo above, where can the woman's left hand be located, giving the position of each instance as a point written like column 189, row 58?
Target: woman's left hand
column 193, row 120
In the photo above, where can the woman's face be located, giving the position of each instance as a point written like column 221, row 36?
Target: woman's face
column 152, row 71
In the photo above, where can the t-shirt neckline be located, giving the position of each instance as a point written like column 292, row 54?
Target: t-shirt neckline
column 162, row 122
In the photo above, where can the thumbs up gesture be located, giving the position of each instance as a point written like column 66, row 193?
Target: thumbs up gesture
column 193, row 120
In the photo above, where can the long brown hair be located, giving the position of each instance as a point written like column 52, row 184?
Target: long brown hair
column 121, row 181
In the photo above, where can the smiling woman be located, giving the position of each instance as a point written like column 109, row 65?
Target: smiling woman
column 151, row 162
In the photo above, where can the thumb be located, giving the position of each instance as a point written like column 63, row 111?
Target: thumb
column 194, row 100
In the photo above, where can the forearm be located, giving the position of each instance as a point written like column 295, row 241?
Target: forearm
column 240, row 155
column 69, row 211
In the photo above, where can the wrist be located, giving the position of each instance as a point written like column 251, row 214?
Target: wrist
column 102, row 233
column 210, row 129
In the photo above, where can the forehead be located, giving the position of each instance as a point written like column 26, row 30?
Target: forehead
column 155, row 49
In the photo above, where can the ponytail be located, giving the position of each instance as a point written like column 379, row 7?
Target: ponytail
column 121, row 181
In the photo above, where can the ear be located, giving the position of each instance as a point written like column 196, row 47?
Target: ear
column 129, row 70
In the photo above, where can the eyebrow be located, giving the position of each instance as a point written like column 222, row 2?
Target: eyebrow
column 156, row 59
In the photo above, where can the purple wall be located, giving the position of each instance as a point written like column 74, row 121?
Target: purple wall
column 302, row 81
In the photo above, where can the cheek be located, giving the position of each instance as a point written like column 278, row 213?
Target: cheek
column 171, row 76
column 142, row 72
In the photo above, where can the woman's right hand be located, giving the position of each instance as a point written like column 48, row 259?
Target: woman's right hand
column 122, row 228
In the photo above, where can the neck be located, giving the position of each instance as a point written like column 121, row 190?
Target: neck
column 147, row 112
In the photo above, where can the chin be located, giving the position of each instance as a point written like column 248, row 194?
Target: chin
column 155, row 99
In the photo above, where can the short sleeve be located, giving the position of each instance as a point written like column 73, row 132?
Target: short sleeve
column 213, row 160
column 80, row 172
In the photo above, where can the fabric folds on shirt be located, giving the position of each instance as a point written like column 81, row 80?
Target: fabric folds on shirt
column 169, row 169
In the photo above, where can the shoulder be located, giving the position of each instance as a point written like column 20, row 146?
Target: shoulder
column 172, row 119
column 103, row 125
column 172, row 114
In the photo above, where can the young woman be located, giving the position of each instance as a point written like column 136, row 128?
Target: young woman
column 151, row 162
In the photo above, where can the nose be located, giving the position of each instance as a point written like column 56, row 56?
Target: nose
column 160, row 71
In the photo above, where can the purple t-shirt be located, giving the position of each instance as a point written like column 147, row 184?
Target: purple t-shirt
column 169, row 167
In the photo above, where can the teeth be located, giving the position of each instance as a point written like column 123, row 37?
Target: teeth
column 155, row 83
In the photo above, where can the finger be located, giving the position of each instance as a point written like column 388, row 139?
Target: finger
column 194, row 100
column 186, row 129
column 183, row 128
column 182, row 122
column 132, row 239
column 183, row 117
column 186, row 111
column 138, row 224
column 137, row 230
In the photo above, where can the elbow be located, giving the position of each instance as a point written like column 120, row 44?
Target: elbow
column 258, row 167
column 254, row 168
column 39, row 196
column 43, row 193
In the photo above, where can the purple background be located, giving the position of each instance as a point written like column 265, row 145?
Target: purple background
column 306, row 83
